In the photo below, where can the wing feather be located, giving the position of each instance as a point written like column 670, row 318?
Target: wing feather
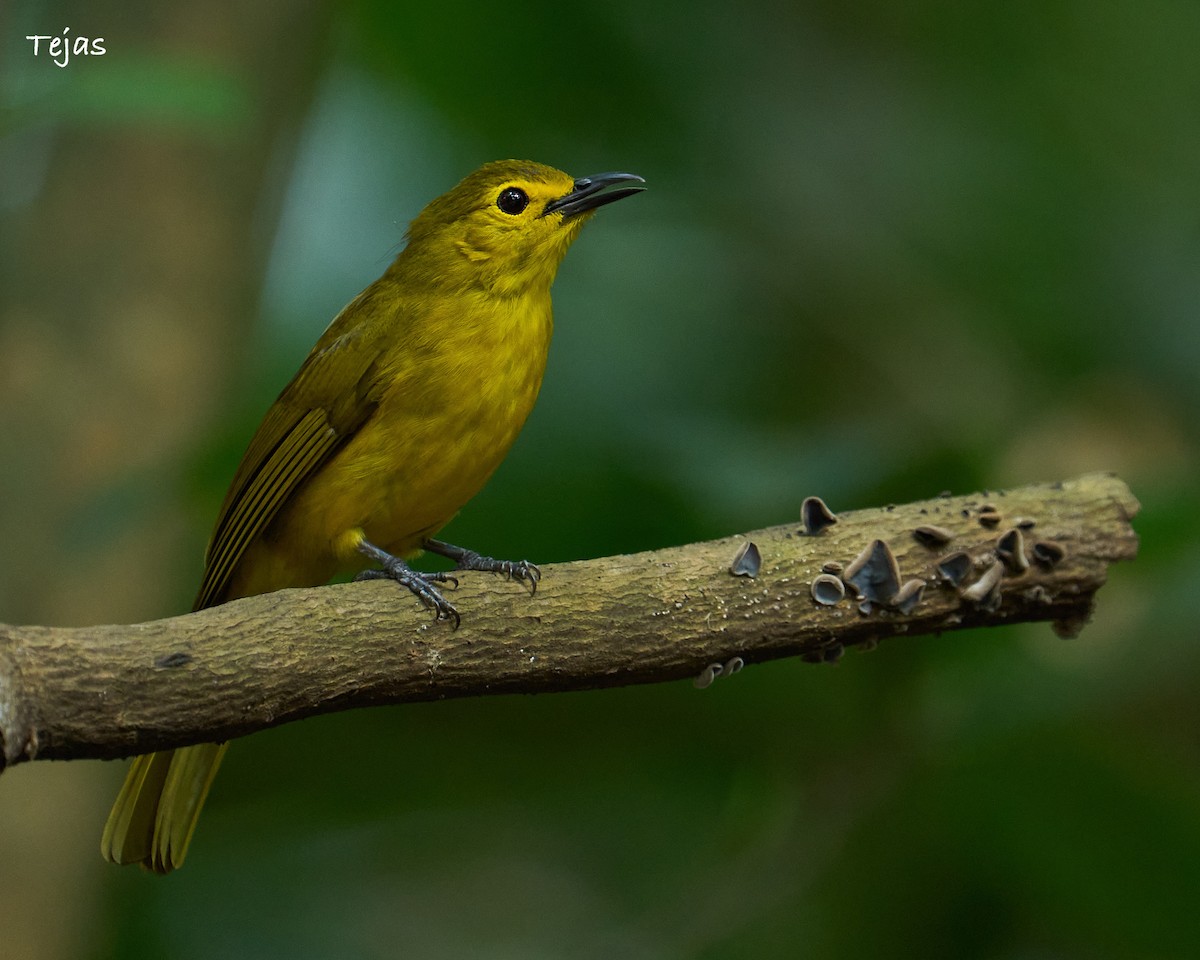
column 305, row 446
column 323, row 406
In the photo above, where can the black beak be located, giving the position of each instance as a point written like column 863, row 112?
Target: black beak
column 587, row 194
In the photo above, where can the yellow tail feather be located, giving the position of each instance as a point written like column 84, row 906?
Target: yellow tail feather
column 155, row 813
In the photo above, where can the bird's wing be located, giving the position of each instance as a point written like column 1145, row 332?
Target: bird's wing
column 323, row 406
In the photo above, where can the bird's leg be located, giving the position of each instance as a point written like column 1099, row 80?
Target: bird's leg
column 520, row 570
column 393, row 568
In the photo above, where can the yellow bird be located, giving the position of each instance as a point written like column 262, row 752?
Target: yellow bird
column 401, row 412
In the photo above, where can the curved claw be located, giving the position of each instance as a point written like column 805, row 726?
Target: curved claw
column 443, row 608
column 520, row 570
column 532, row 573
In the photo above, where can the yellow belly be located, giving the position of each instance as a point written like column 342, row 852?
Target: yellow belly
column 438, row 433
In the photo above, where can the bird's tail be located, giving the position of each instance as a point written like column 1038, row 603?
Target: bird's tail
column 155, row 813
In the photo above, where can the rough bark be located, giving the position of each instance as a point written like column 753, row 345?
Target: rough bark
column 111, row 691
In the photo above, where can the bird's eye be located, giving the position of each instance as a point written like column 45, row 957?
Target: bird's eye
column 512, row 200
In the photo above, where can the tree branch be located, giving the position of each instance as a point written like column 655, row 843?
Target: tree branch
column 112, row 691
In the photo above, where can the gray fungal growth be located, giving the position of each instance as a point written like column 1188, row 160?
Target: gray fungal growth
column 930, row 536
column 955, row 567
column 874, row 573
column 707, row 676
column 1070, row 627
column 1048, row 554
column 986, row 590
column 827, row 589
column 713, row 670
column 816, row 516
column 909, row 596
column 747, row 562
column 989, row 516
column 1010, row 548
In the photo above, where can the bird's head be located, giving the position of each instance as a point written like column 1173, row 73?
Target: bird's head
column 508, row 225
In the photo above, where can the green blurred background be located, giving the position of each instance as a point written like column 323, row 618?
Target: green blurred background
column 888, row 249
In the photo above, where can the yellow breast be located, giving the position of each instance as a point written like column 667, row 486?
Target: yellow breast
column 452, row 404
